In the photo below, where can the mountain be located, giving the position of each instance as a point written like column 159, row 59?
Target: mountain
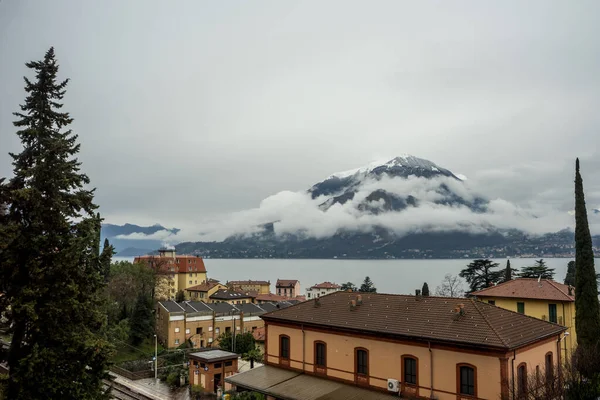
column 390, row 209
column 130, row 240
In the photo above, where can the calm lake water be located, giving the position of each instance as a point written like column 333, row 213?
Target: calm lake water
column 389, row 276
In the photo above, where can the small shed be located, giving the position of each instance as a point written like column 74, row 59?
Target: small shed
column 209, row 368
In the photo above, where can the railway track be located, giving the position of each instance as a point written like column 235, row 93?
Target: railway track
column 122, row 392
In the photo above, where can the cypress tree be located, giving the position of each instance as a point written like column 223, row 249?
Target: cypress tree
column 141, row 320
column 570, row 277
column 425, row 289
column 49, row 257
column 587, row 310
column 508, row 272
column 105, row 258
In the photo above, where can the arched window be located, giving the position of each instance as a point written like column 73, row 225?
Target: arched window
column 466, row 379
column 549, row 367
column 362, row 361
column 522, row 380
column 284, row 347
column 410, row 370
column 320, row 354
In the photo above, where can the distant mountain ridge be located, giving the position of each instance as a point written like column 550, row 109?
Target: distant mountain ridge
column 127, row 247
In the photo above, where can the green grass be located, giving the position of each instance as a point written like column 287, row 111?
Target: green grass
column 129, row 352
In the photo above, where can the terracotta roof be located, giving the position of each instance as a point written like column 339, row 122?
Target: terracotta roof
column 286, row 282
column 248, row 283
column 186, row 263
column 529, row 288
column 203, row 287
column 326, row 285
column 270, row 297
column 423, row 318
column 225, row 294
column 259, row 334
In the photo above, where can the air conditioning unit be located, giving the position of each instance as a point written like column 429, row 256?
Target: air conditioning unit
column 393, row 385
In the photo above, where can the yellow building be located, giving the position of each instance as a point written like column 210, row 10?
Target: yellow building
column 232, row 297
column 547, row 300
column 182, row 271
column 352, row 345
column 261, row 287
column 203, row 291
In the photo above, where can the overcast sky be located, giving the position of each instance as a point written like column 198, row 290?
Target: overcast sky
column 194, row 109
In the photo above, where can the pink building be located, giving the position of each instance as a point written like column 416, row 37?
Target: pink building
column 289, row 288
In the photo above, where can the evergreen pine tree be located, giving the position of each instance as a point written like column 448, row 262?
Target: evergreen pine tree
column 587, row 309
column 539, row 269
column 105, row 259
column 141, row 320
column 49, row 259
column 570, row 277
column 425, row 289
column 367, row 286
column 480, row 274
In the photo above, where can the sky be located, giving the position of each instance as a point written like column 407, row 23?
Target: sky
column 191, row 111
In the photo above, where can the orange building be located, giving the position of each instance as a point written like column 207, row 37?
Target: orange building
column 289, row 288
column 181, row 271
column 428, row 347
column 261, row 287
column 209, row 368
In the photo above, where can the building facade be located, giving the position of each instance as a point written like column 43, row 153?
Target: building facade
column 203, row 291
column 289, row 288
column 321, row 289
column 428, row 347
column 260, row 287
column 546, row 300
column 181, row 271
column 201, row 324
column 232, row 297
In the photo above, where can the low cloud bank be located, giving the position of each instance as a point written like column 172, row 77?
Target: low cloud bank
column 293, row 212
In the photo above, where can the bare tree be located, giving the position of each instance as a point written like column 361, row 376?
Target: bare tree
column 451, row 286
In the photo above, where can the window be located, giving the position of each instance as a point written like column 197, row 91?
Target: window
column 492, row 302
column 227, row 329
column 190, row 282
column 217, row 365
column 308, row 295
column 521, row 307
column 522, row 380
column 198, row 331
column 195, row 282
column 409, row 366
column 284, row 347
column 362, row 362
column 187, row 331
column 228, row 363
column 190, row 274
column 320, row 354
column 217, row 330
column 549, row 367
column 552, row 313
column 176, row 330
column 176, row 341
column 467, row 379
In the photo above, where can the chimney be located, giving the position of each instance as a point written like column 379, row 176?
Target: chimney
column 359, row 300
column 352, row 305
column 417, row 292
column 317, row 302
column 570, row 290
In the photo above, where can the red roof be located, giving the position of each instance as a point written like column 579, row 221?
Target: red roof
column 203, row 287
column 326, row 285
column 286, row 282
column 529, row 288
column 259, row 334
column 437, row 319
column 179, row 264
column 270, row 297
column 248, row 283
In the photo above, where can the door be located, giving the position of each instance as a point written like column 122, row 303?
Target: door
column 217, row 382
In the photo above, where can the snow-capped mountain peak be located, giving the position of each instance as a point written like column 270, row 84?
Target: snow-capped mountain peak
column 403, row 161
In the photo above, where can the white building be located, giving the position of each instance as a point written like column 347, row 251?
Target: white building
column 321, row 290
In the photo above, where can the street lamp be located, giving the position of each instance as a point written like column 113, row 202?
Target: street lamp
column 155, row 359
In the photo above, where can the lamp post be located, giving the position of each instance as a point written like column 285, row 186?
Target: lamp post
column 155, row 359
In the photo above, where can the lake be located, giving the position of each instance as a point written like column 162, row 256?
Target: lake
column 389, row 276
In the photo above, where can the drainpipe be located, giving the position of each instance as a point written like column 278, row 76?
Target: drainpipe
column 303, row 347
column 431, row 368
column 565, row 324
column 512, row 367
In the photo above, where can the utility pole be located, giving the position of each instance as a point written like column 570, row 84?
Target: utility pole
column 155, row 359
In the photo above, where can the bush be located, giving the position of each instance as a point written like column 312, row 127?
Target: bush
column 173, row 379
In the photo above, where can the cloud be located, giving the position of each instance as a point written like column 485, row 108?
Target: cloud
column 162, row 234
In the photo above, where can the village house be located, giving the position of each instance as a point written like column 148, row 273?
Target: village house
column 182, row 271
column 428, row 347
column 321, row 289
column 201, row 324
column 269, row 298
column 203, row 291
column 232, row 297
column 544, row 299
column 289, row 288
column 260, row 287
